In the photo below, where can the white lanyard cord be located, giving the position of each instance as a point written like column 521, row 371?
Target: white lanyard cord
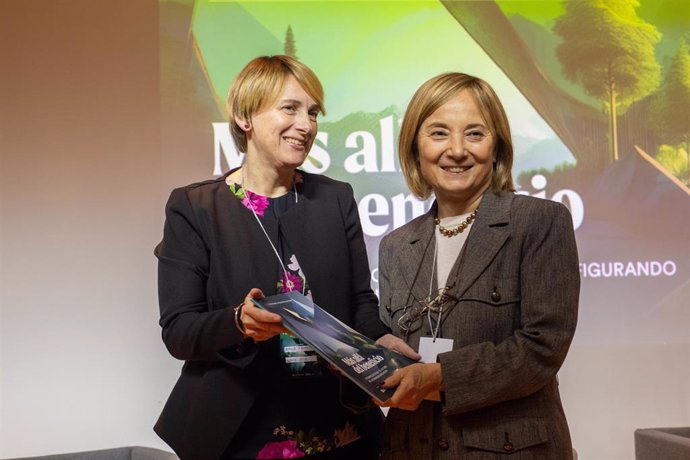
column 275, row 251
column 434, row 331
column 433, row 265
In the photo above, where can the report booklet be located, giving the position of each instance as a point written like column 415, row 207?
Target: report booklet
column 358, row 357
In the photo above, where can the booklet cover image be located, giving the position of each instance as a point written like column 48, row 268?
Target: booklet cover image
column 358, row 357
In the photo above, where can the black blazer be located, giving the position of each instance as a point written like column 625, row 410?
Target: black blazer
column 212, row 253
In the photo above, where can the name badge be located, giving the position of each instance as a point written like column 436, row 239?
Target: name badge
column 299, row 359
column 430, row 348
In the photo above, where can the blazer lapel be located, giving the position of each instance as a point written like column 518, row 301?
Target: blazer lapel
column 303, row 227
column 488, row 234
column 417, row 256
column 298, row 226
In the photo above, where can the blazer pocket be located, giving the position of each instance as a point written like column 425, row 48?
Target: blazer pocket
column 494, row 291
column 506, row 436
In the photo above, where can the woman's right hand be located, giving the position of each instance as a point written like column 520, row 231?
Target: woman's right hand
column 259, row 324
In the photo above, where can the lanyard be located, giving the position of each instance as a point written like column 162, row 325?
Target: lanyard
column 453, row 274
column 434, row 331
column 275, row 251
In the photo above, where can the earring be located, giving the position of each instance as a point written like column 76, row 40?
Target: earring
column 247, row 126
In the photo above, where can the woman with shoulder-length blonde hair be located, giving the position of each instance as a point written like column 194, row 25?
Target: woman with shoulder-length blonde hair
column 248, row 389
column 485, row 286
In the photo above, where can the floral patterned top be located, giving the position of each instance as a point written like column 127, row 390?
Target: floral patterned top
column 297, row 412
column 292, row 279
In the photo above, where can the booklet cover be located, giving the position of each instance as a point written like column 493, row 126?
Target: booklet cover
column 358, row 357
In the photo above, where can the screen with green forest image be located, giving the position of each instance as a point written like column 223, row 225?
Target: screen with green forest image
column 597, row 95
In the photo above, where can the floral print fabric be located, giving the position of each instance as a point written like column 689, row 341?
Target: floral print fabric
column 287, row 441
column 301, row 444
column 292, row 279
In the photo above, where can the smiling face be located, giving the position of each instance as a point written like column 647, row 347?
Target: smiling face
column 456, row 154
column 281, row 134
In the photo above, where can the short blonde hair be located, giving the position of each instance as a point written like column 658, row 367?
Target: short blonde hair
column 432, row 95
column 259, row 83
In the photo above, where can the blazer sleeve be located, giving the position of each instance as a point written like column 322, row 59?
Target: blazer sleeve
column 190, row 329
column 364, row 302
column 484, row 374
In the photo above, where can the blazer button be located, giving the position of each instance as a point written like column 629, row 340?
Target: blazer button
column 443, row 444
column 508, row 447
column 495, row 296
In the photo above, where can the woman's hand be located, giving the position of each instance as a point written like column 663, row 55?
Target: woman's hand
column 414, row 384
column 259, row 324
column 397, row 344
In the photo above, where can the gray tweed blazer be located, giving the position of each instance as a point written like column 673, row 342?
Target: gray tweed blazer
column 517, row 286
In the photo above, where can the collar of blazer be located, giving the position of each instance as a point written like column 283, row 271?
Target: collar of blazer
column 488, row 234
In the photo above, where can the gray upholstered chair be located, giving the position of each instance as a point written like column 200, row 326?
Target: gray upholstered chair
column 119, row 453
column 662, row 444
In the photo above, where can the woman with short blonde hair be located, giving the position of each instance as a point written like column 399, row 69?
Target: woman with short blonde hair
column 247, row 388
column 260, row 82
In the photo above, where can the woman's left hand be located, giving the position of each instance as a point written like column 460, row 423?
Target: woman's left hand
column 414, row 383
column 397, row 344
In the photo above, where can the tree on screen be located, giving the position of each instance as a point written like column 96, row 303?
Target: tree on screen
column 671, row 113
column 609, row 50
column 289, row 48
